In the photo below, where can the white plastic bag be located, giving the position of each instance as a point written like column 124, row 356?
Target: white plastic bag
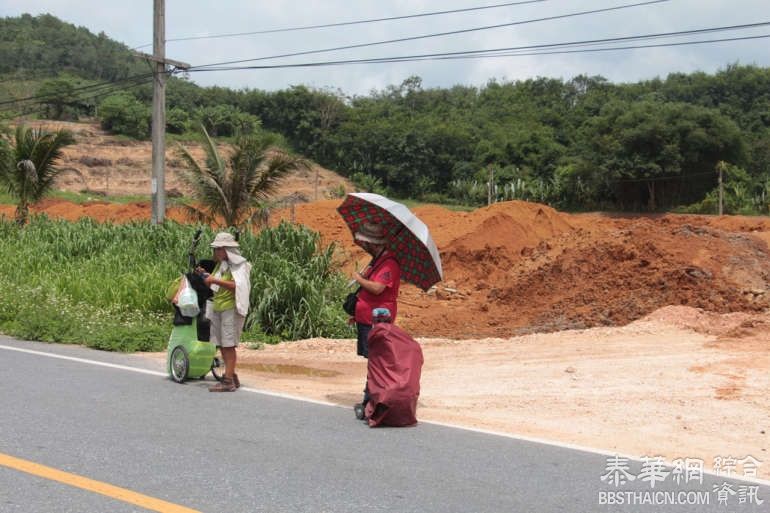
column 188, row 300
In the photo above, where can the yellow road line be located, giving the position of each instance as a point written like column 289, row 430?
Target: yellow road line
column 114, row 492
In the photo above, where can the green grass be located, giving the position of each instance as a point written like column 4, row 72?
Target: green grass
column 85, row 197
column 412, row 203
column 104, row 285
column 81, row 197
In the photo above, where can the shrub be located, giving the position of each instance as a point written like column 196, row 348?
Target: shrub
column 123, row 114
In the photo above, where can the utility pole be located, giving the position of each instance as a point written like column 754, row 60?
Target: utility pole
column 490, row 183
column 158, row 184
column 720, row 168
column 159, row 62
column 315, row 184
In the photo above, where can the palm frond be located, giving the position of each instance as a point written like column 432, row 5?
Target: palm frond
column 27, row 164
column 277, row 167
column 206, row 183
column 198, row 215
column 213, row 160
column 232, row 190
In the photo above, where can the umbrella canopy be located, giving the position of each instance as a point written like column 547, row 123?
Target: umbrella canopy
column 407, row 237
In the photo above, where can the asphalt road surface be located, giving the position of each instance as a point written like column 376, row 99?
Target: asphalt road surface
column 76, row 436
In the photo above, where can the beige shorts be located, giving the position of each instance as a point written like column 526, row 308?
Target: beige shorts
column 226, row 327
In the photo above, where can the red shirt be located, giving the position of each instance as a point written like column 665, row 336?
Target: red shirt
column 387, row 272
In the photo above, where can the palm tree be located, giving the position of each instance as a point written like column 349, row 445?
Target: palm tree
column 28, row 165
column 234, row 191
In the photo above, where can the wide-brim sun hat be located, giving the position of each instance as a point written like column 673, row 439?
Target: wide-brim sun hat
column 372, row 233
column 224, row 240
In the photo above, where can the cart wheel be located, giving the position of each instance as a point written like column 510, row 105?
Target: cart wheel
column 218, row 368
column 180, row 363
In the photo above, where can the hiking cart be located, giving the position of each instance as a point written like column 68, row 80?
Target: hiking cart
column 190, row 354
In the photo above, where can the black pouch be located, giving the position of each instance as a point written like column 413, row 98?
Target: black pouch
column 349, row 305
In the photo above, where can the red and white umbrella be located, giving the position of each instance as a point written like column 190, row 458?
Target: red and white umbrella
column 407, row 237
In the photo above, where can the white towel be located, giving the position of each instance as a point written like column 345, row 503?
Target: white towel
column 240, row 268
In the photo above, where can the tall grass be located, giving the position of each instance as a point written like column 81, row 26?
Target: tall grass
column 104, row 284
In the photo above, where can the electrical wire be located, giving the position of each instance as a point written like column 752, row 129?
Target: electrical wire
column 76, row 90
column 426, row 36
column 520, row 51
column 81, row 96
column 345, row 23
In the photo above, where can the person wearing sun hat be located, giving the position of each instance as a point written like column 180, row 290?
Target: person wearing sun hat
column 379, row 283
column 227, row 309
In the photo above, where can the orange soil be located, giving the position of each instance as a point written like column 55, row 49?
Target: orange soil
column 519, row 267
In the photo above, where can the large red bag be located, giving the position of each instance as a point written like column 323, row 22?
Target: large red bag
column 395, row 364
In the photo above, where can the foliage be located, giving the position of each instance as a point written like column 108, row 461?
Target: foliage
column 59, row 98
column 648, row 151
column 103, row 284
column 121, row 113
column 298, row 291
column 231, row 191
column 28, row 165
column 336, row 192
column 742, row 195
column 367, row 183
column 177, row 121
column 48, row 45
column 226, row 120
column 581, row 143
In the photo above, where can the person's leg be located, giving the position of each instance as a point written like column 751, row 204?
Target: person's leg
column 215, row 327
column 235, row 324
column 363, row 350
column 229, row 335
column 230, row 357
column 362, row 345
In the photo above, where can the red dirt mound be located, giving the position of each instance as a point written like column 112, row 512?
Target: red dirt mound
column 517, row 267
column 491, row 239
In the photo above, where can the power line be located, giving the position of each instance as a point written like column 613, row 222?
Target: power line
column 439, row 34
column 42, row 98
column 81, row 97
column 636, row 47
column 520, row 51
column 92, row 94
column 11, row 114
column 347, row 23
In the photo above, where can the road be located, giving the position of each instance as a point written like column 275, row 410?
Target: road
column 179, row 448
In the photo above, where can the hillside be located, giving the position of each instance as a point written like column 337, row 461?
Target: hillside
column 35, row 46
column 105, row 165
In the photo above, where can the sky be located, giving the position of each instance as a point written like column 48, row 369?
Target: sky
column 130, row 22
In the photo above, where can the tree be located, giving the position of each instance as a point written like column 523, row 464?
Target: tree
column 656, row 153
column 27, row 165
column 58, row 98
column 121, row 113
column 225, row 120
column 231, row 191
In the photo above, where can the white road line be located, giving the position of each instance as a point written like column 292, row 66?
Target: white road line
column 592, row 450
column 84, row 360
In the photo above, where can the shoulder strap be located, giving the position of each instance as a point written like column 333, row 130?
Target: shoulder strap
column 377, row 263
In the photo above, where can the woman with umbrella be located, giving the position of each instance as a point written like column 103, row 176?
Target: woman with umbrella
column 401, row 249
column 379, row 283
